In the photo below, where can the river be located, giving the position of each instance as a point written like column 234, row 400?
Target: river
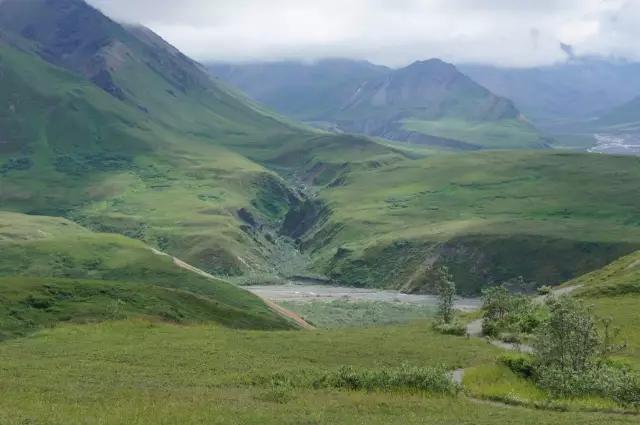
column 303, row 292
column 619, row 144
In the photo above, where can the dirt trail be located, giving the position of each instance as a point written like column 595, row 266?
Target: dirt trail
column 273, row 306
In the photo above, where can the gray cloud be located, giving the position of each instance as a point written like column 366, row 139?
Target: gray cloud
column 391, row 32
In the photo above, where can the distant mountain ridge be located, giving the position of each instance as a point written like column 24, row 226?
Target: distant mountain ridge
column 428, row 102
column 578, row 89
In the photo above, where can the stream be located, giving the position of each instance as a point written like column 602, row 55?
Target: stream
column 305, row 292
column 620, row 144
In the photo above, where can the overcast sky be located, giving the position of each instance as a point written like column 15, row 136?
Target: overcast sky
column 389, row 32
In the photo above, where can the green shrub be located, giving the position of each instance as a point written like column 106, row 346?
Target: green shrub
column 506, row 313
column 544, row 290
column 16, row 164
column 510, row 337
column 454, row 328
column 520, row 364
column 621, row 385
column 408, row 378
column 490, row 328
column 281, row 390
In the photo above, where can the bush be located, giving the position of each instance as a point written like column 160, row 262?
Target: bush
column 621, row 385
column 509, row 313
column 520, row 364
column 16, row 164
column 408, row 378
column 454, row 328
column 281, row 390
column 510, row 337
column 544, row 290
column 490, row 328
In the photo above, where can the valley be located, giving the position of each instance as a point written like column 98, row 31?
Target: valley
column 309, row 242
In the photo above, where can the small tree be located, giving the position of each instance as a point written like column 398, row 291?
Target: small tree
column 569, row 340
column 446, row 290
column 496, row 302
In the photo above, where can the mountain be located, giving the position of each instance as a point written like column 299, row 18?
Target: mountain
column 130, row 63
column 433, row 100
column 576, row 89
column 304, row 91
column 428, row 102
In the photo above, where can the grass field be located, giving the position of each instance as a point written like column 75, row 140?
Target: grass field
column 141, row 372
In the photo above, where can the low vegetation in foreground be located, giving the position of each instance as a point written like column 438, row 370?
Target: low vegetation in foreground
column 143, row 372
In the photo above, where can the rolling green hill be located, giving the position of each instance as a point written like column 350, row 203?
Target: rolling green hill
column 52, row 270
column 489, row 216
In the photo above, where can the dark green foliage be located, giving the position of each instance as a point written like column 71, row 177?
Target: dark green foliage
column 446, row 290
column 79, row 164
column 522, row 364
column 621, row 385
column 571, row 356
column 452, row 328
column 29, row 304
column 569, row 340
column 16, row 164
column 405, row 378
column 507, row 316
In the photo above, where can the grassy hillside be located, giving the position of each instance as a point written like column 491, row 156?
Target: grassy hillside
column 71, row 149
column 238, row 376
column 53, row 270
column 489, row 216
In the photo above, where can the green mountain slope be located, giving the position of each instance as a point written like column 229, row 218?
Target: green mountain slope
column 133, row 65
column 70, row 148
column 53, row 270
column 488, row 216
